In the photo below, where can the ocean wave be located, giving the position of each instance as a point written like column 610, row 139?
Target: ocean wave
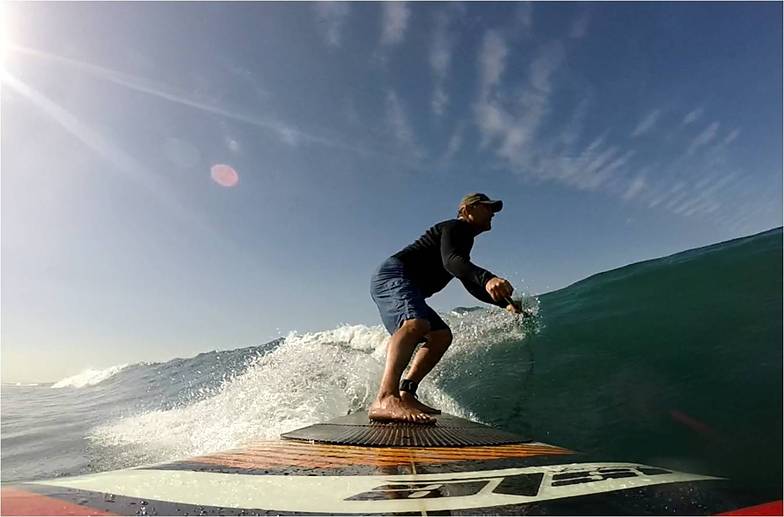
column 309, row 378
column 615, row 352
column 89, row 377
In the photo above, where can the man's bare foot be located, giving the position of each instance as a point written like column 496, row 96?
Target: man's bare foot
column 411, row 400
column 394, row 409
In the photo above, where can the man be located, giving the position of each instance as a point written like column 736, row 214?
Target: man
column 399, row 288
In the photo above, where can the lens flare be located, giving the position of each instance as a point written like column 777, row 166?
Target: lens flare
column 224, row 175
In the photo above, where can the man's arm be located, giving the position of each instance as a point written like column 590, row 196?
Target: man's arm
column 455, row 248
column 481, row 293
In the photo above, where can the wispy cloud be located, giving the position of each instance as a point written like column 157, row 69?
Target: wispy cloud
column 534, row 101
column 572, row 132
column 512, row 128
column 513, row 124
column 751, row 204
column 731, row 137
column 515, row 127
column 595, row 169
column 703, row 197
column 394, row 22
column 692, row 116
column 697, row 185
column 647, row 123
column 440, row 99
column 440, row 58
column 492, row 120
column 669, row 194
column 492, row 61
column 636, row 186
column 331, row 16
column 707, row 135
column 543, row 66
column 680, row 192
column 455, row 143
column 401, row 128
column 579, row 26
column 525, row 15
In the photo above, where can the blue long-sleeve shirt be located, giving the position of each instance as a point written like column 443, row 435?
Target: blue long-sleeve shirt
column 443, row 253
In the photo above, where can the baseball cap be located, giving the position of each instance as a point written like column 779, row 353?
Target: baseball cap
column 477, row 197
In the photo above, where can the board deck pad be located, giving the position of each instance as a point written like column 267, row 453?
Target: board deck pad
column 448, row 431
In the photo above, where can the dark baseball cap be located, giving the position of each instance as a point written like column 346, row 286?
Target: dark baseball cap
column 477, row 197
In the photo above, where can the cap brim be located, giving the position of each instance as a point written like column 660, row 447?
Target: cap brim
column 495, row 205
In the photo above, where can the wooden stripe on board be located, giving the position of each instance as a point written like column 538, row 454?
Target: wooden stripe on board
column 290, row 453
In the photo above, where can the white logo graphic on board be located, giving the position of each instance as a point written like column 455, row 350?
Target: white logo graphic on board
column 527, row 485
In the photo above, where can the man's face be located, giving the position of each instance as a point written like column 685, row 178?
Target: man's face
column 481, row 215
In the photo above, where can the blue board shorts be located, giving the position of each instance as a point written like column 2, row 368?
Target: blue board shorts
column 398, row 299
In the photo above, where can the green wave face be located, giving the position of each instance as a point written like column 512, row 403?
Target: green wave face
column 675, row 361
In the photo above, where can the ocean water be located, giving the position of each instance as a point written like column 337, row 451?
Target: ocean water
column 675, row 362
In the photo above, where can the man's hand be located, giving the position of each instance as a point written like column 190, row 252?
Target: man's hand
column 514, row 308
column 498, row 289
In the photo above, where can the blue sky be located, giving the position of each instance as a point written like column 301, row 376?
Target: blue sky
column 614, row 132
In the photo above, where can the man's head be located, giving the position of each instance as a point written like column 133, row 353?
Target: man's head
column 478, row 210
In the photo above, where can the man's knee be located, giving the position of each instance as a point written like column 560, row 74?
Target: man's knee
column 418, row 327
column 441, row 337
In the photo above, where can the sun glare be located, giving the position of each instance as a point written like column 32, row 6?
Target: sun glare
column 6, row 33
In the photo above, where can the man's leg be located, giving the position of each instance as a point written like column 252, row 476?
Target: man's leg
column 429, row 354
column 425, row 359
column 388, row 404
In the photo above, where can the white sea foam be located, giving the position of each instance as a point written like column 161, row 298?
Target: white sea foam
column 88, row 377
column 309, row 378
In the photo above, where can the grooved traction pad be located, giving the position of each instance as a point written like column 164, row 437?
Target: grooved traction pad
column 448, row 431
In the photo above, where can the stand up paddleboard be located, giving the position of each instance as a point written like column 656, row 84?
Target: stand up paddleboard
column 352, row 466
